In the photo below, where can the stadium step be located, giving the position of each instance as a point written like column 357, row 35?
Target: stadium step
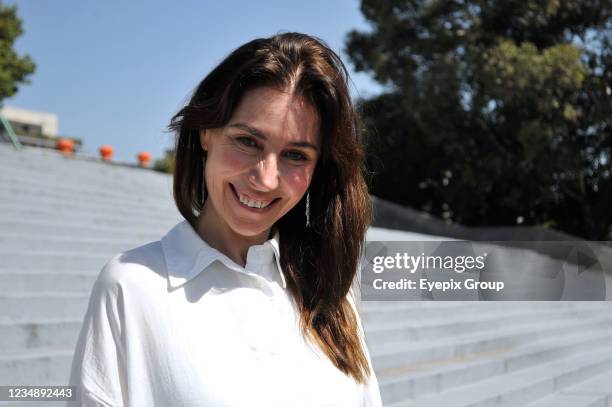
column 397, row 355
column 41, row 281
column 51, row 261
column 60, row 245
column 424, row 379
column 25, row 306
column 524, row 386
column 19, row 337
column 73, row 229
column 36, row 367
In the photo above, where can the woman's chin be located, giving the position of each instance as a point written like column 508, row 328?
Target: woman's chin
column 250, row 230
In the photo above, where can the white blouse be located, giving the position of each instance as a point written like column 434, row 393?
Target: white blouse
column 177, row 323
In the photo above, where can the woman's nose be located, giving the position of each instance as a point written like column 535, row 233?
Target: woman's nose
column 266, row 175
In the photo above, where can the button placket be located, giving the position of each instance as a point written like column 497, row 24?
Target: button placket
column 264, row 327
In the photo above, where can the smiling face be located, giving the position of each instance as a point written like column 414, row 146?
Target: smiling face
column 260, row 164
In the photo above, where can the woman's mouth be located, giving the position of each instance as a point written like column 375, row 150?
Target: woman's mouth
column 251, row 204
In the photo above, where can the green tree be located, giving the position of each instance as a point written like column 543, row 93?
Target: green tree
column 494, row 112
column 165, row 164
column 13, row 68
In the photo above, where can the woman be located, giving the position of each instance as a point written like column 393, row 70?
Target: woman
column 248, row 302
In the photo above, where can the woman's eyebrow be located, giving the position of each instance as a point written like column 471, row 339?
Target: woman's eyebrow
column 259, row 134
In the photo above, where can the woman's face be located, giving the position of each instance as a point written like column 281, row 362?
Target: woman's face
column 260, row 164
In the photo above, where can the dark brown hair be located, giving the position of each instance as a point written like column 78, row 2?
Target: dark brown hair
column 319, row 262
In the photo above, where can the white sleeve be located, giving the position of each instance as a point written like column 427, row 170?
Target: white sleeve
column 371, row 391
column 98, row 364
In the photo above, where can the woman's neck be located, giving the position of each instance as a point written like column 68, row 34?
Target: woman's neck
column 213, row 229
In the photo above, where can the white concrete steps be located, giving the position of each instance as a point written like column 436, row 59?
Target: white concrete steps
column 419, row 380
column 487, row 320
column 76, row 230
column 91, row 176
column 36, row 367
column 61, row 220
column 74, row 171
column 22, row 197
column 84, row 189
column 564, row 399
column 23, row 336
column 401, row 314
column 42, row 305
column 72, row 212
column 402, row 354
column 60, row 245
column 41, row 281
column 51, row 261
column 523, row 386
column 594, row 392
column 77, row 172
column 89, row 217
column 376, row 313
column 71, row 175
column 39, row 162
column 29, row 159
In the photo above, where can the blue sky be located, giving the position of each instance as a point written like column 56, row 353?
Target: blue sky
column 115, row 72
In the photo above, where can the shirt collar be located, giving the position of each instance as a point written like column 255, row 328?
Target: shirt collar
column 187, row 254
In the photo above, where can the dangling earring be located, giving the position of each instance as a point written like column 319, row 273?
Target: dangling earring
column 308, row 208
column 203, row 178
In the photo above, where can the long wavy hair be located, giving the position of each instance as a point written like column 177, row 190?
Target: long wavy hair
column 320, row 261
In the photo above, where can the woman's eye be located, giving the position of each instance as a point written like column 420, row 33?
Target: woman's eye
column 296, row 155
column 247, row 142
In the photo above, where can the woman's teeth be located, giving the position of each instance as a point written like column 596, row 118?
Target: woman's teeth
column 253, row 204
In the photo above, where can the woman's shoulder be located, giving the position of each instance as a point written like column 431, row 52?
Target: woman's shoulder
column 130, row 269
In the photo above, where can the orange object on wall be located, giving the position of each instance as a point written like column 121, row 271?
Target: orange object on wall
column 106, row 152
column 65, row 145
column 144, row 158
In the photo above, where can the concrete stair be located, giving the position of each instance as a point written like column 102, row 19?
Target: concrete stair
column 594, row 392
column 41, row 281
column 62, row 218
column 448, row 371
column 523, row 386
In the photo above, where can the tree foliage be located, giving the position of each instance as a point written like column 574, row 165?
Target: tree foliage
column 495, row 112
column 165, row 164
column 14, row 69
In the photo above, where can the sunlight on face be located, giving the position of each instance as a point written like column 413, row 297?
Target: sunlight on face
column 261, row 163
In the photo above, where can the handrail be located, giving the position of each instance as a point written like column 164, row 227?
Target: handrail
column 11, row 134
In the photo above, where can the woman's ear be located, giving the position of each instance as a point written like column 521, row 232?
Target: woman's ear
column 204, row 136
